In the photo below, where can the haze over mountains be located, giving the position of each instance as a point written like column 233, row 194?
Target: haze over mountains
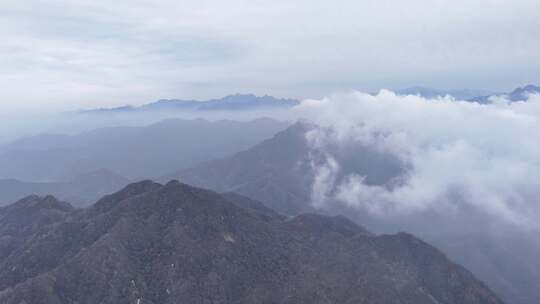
column 132, row 152
column 238, row 107
column 242, row 107
column 266, row 152
column 464, row 94
column 151, row 243
column 82, row 190
column 481, row 96
column 280, row 172
column 250, row 102
column 355, row 157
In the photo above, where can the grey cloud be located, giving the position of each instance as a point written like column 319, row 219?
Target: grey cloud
column 135, row 51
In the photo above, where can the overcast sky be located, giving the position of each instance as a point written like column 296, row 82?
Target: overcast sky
column 71, row 54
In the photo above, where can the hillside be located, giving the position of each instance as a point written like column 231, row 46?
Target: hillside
column 152, row 243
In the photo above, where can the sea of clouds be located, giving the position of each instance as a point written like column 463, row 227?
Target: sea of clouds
column 457, row 156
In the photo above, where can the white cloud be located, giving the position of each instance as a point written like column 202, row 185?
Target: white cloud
column 458, row 154
column 325, row 178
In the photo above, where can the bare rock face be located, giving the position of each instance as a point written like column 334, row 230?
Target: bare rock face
column 174, row 243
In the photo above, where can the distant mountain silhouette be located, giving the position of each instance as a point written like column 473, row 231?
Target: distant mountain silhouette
column 523, row 93
column 234, row 102
column 518, row 94
column 133, row 152
column 480, row 96
column 82, row 190
column 463, row 94
column 150, row 243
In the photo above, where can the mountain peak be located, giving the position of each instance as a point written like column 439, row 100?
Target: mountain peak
column 131, row 190
column 518, row 94
column 41, row 202
column 523, row 93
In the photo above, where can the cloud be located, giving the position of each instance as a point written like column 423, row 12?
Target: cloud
column 456, row 156
column 97, row 53
column 325, row 177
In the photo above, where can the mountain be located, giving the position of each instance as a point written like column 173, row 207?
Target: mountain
column 80, row 191
column 275, row 172
column 278, row 173
column 151, row 243
column 463, row 94
column 518, row 94
column 234, row 102
column 481, row 96
column 523, row 93
column 133, row 152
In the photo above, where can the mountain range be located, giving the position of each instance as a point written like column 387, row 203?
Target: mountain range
column 82, row 190
column 173, row 243
column 460, row 94
column 239, row 102
column 518, row 94
column 132, row 152
column 480, row 96
column 234, row 102
column 278, row 172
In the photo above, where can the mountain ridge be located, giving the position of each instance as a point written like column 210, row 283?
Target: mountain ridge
column 81, row 190
column 426, row 92
column 233, row 102
column 153, row 243
column 133, row 152
column 518, row 94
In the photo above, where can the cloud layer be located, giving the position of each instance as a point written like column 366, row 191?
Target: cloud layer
column 457, row 156
column 70, row 54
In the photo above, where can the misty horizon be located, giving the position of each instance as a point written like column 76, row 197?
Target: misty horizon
column 95, row 54
column 303, row 151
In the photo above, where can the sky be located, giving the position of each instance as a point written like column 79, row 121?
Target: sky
column 64, row 55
